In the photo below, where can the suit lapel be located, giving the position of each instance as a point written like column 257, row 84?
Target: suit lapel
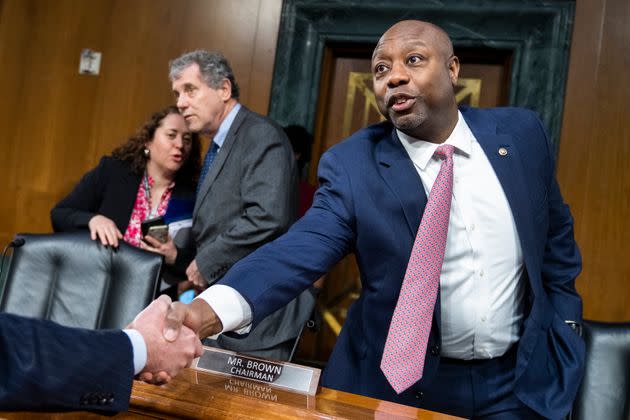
column 221, row 157
column 509, row 170
column 398, row 172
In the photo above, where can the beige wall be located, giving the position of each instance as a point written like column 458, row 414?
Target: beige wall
column 55, row 124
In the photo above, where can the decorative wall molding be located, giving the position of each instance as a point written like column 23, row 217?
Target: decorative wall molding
column 537, row 32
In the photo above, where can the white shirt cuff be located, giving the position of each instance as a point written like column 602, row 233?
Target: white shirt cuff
column 230, row 306
column 139, row 350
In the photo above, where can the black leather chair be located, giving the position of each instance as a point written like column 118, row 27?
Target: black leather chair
column 75, row 281
column 605, row 390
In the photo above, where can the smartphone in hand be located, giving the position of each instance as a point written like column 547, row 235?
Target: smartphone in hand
column 159, row 232
column 156, row 228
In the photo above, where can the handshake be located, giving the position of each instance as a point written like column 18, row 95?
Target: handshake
column 170, row 332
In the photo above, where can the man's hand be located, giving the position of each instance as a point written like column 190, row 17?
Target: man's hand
column 195, row 277
column 167, row 248
column 197, row 315
column 164, row 358
column 105, row 230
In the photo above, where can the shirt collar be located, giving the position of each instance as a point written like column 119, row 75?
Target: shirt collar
column 421, row 151
column 219, row 138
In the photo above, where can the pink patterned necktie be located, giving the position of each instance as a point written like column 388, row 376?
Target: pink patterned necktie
column 406, row 345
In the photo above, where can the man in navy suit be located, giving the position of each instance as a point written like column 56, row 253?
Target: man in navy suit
column 44, row 365
column 502, row 342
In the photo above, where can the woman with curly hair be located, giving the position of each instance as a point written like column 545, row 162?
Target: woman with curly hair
column 158, row 165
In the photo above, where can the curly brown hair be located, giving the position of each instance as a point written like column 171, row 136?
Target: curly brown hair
column 132, row 151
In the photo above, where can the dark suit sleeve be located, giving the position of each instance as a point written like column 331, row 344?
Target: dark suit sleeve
column 44, row 366
column 268, row 190
column 562, row 262
column 77, row 208
column 277, row 272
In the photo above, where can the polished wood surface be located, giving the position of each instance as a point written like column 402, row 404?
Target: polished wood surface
column 56, row 123
column 201, row 395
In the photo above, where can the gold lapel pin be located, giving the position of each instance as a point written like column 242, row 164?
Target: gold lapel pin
column 503, row 151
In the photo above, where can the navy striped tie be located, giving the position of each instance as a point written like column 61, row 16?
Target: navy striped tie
column 207, row 162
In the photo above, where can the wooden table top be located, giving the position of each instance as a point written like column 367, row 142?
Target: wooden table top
column 200, row 395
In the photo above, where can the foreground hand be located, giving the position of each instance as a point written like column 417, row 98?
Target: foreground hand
column 195, row 277
column 167, row 248
column 164, row 358
column 105, row 230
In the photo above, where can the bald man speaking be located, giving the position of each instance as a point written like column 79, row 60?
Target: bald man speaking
column 465, row 247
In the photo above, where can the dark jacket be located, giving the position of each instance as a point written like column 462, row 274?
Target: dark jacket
column 110, row 190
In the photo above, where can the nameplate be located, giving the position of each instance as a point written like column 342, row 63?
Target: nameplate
column 285, row 375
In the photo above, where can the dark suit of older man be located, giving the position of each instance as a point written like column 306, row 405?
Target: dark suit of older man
column 248, row 198
column 247, row 192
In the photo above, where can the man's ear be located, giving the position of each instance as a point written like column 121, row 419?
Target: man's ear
column 226, row 90
column 453, row 69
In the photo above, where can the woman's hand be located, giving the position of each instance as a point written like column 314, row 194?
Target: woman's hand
column 167, row 249
column 105, row 230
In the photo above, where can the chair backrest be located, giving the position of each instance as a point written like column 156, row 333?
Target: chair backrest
column 605, row 390
column 75, row 281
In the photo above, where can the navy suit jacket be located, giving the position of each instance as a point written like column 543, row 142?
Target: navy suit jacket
column 370, row 202
column 46, row 366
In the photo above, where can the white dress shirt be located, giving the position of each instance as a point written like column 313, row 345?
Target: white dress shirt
column 230, row 306
column 139, row 348
column 481, row 285
column 224, row 127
